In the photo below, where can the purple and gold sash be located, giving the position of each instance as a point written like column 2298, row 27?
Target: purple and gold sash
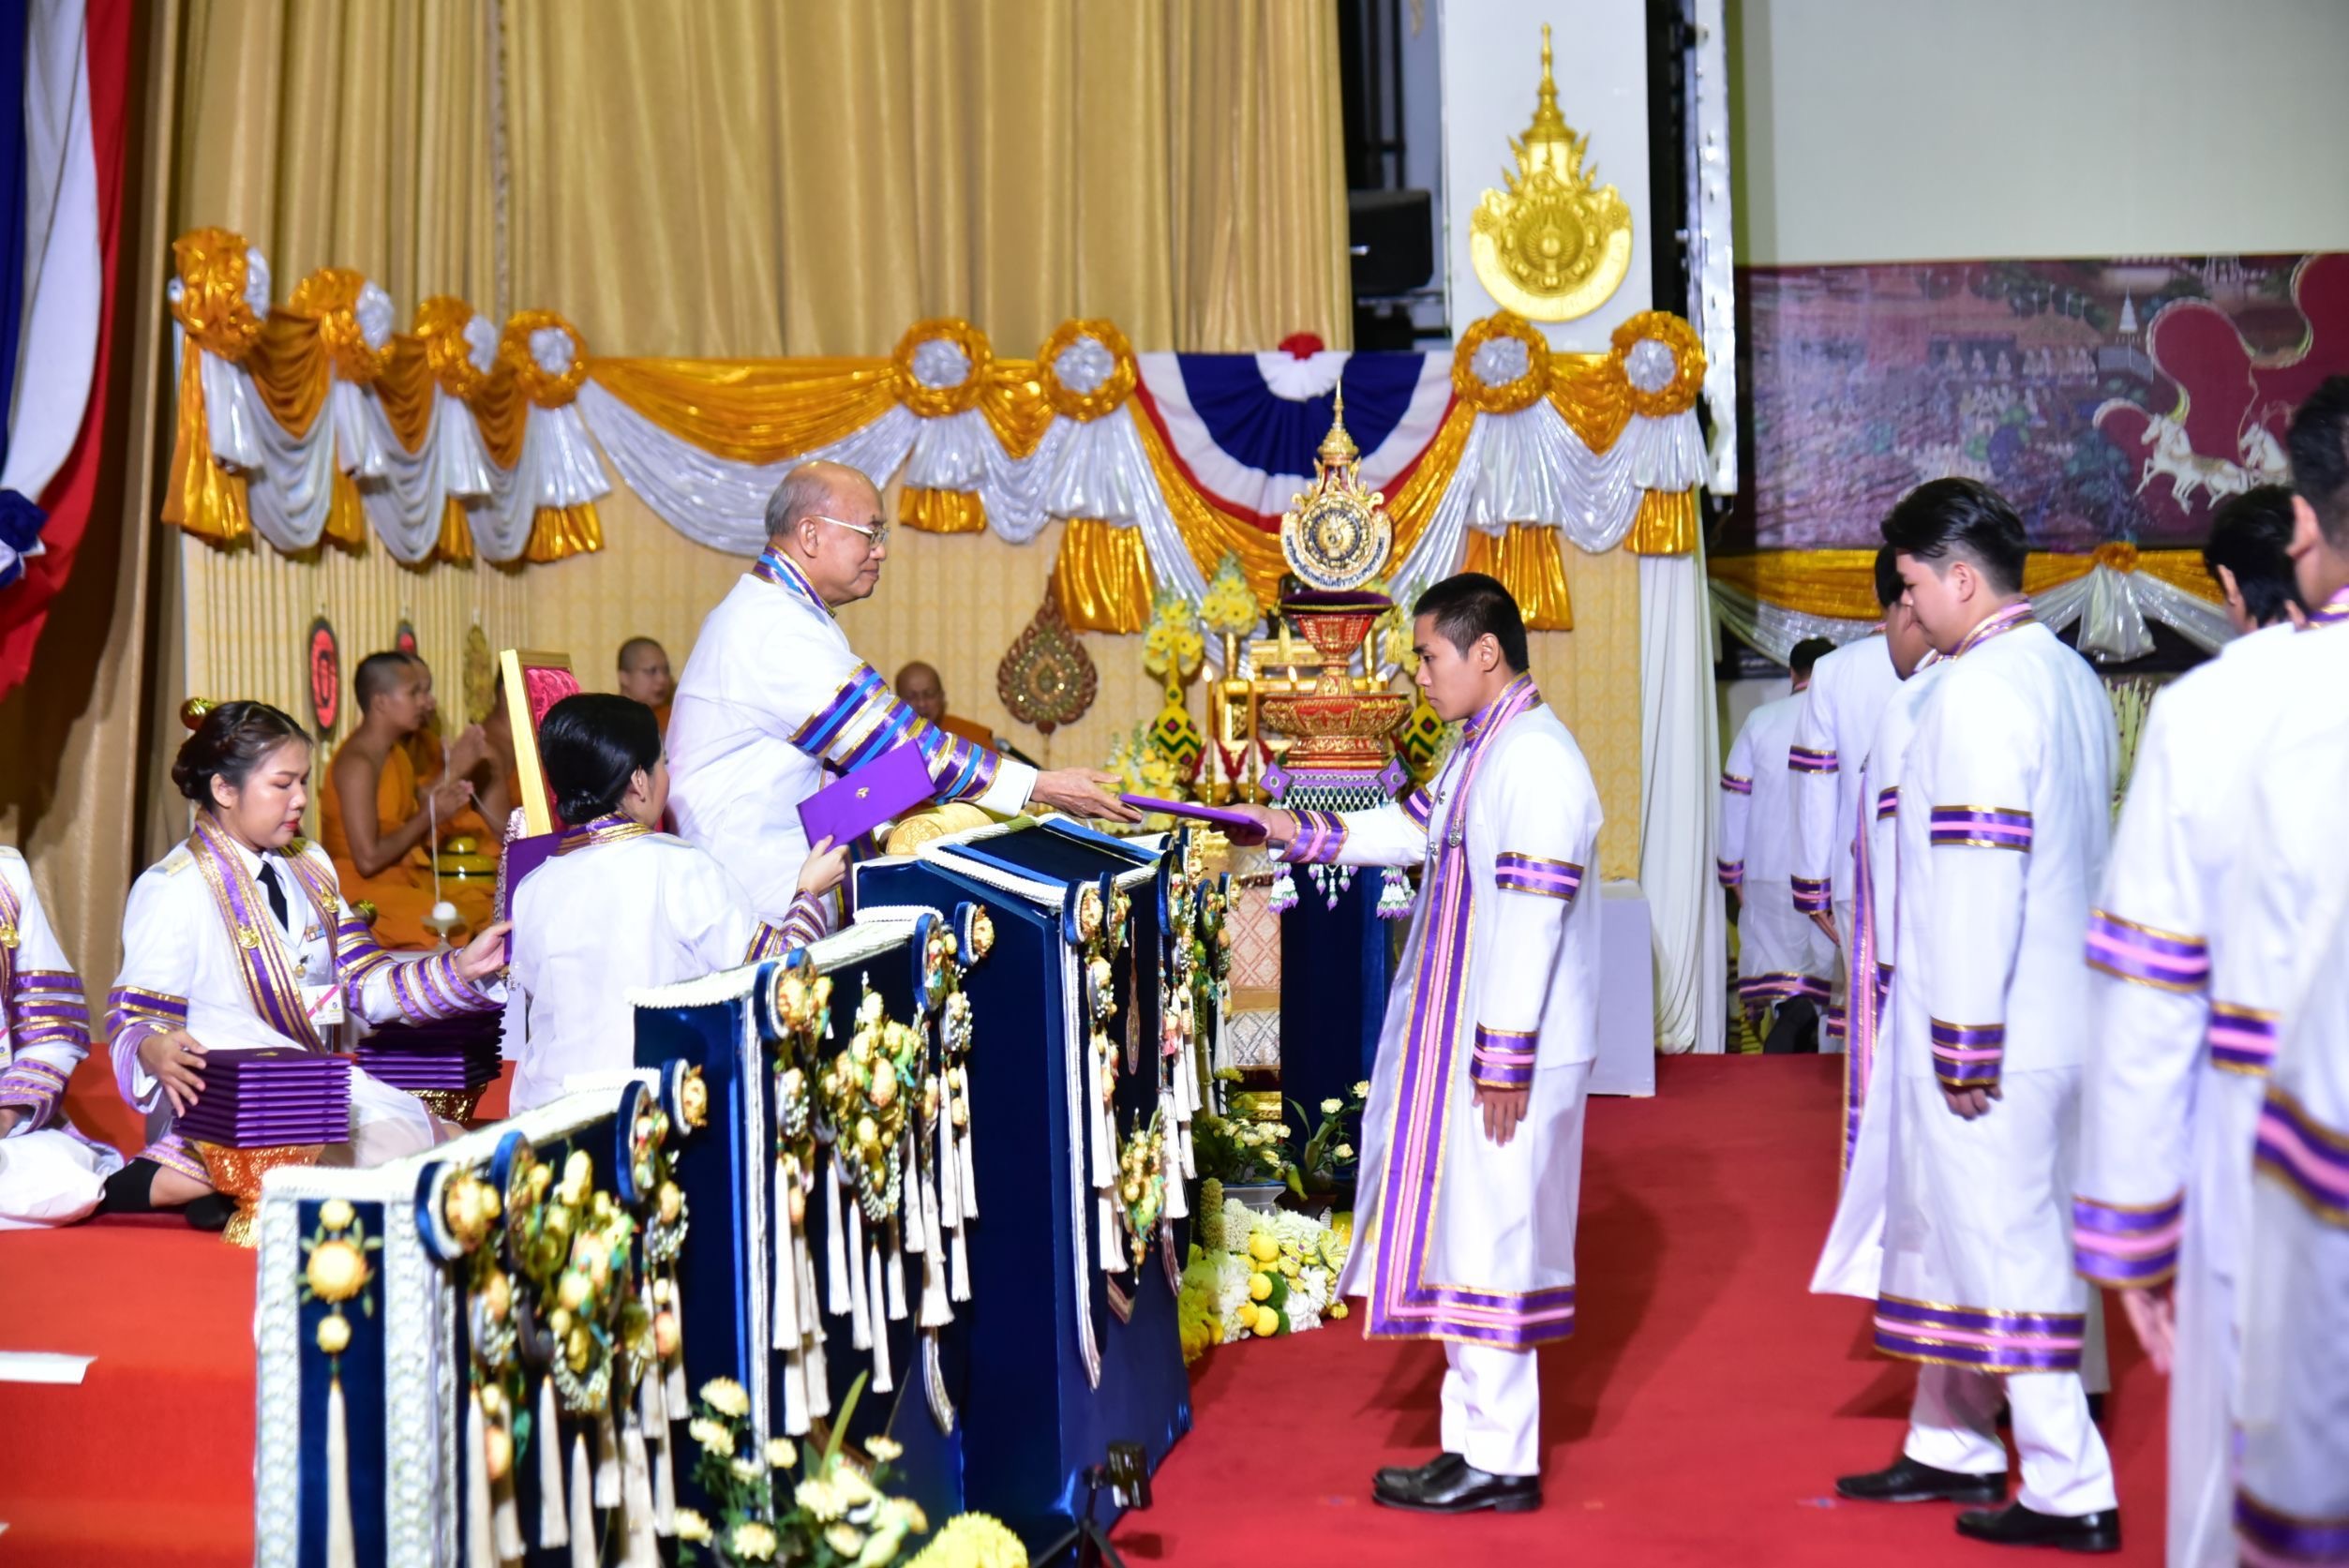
column 270, row 983
column 1404, row 1303
column 1863, row 998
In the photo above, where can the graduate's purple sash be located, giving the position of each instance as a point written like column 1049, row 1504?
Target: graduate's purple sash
column 270, row 983
column 1404, row 1303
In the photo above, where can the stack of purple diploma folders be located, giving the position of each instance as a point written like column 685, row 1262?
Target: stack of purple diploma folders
column 255, row 1099
column 459, row 1055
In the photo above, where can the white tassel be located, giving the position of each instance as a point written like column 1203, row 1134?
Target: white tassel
column 935, row 1313
column 895, row 1272
column 910, row 1163
column 583, row 1552
column 342, row 1547
column 640, row 1549
column 882, row 1383
column 554, row 1529
column 970, row 1181
column 818, row 1376
column 1190, row 1162
column 860, row 1310
column 506, row 1515
column 1112, row 1255
column 786, row 1265
column 1170, row 1165
column 675, row 1395
column 1099, row 1133
column 835, row 1243
column 607, row 1462
column 795, row 1417
column 480, row 1546
column 960, row 1290
column 657, row 1432
column 949, row 1170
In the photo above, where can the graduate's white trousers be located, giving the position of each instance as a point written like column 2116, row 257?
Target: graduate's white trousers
column 1954, row 1425
column 1492, row 1408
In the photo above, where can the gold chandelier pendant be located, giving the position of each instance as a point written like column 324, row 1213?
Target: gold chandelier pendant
column 1552, row 245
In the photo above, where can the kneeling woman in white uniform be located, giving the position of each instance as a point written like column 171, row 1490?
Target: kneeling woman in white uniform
column 238, row 939
column 621, row 905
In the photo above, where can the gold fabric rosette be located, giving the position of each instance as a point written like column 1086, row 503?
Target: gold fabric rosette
column 1106, row 398
column 1507, row 397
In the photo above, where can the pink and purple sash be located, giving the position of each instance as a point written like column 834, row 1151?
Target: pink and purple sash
column 1404, row 1304
column 1864, row 998
column 270, row 983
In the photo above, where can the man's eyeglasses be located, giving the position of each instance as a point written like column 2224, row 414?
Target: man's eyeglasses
column 876, row 534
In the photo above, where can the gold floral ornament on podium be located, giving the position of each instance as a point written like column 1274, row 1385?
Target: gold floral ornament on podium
column 1553, row 244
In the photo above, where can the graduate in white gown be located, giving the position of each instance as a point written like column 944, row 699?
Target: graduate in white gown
column 2004, row 817
column 1472, row 1158
column 1848, row 691
column 774, row 700
column 239, row 938
column 621, row 906
column 1852, row 1262
column 1784, row 960
column 2162, row 1195
column 50, row 1174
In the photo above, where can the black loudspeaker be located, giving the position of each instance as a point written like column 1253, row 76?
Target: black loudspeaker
column 1394, row 241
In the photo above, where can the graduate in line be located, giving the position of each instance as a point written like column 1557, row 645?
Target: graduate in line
column 1472, row 1163
column 2005, row 815
column 1784, row 960
column 239, row 938
column 621, row 905
column 2162, row 1194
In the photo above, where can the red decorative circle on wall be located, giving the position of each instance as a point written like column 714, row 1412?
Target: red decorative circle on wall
column 405, row 639
column 325, row 675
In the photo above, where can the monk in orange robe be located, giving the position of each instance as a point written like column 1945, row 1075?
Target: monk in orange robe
column 644, row 677
column 383, row 856
column 924, row 691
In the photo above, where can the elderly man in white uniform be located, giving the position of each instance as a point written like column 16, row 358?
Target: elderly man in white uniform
column 773, row 698
column 1852, row 1262
column 1783, row 959
column 1848, row 691
column 2163, row 1192
column 1472, row 1155
column 2004, row 818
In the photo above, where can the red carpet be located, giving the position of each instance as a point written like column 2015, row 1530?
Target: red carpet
column 1700, row 1415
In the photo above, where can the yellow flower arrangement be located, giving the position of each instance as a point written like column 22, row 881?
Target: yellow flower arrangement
column 690, row 1526
column 1231, row 607
column 726, row 1396
column 973, row 1541
column 753, row 1541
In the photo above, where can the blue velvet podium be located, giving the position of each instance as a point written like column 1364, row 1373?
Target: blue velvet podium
column 1329, row 1034
column 1052, row 1388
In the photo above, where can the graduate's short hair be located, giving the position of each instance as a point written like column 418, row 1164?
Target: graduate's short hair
column 379, row 673
column 2251, row 536
column 1889, row 587
column 1468, row 605
column 229, row 743
column 2320, row 458
column 593, row 743
column 1807, row 652
column 1961, row 516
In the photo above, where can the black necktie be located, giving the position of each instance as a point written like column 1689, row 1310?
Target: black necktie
column 276, row 890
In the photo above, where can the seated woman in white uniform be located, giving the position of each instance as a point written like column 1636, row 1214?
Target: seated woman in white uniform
column 239, row 939
column 621, row 905
column 49, row 1172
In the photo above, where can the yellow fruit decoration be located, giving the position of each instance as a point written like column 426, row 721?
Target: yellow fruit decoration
column 1259, row 1286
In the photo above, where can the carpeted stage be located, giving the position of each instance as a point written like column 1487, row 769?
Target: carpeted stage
column 1699, row 1414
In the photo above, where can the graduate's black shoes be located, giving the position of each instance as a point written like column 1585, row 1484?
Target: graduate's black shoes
column 129, row 1191
column 1461, row 1488
column 1401, row 1475
column 2017, row 1526
column 1906, row 1480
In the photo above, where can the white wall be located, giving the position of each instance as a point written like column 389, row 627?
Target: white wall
column 1869, row 130
column 1492, row 73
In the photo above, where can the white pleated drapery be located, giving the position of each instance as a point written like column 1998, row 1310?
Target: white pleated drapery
column 1679, row 759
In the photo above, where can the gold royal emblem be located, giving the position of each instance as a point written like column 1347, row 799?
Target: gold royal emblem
column 1553, row 244
column 1336, row 535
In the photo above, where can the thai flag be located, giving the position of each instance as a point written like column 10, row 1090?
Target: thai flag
column 1243, row 427
column 65, row 66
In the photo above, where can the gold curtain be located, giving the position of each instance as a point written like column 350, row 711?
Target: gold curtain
column 1841, row 584
column 807, row 179
column 343, row 135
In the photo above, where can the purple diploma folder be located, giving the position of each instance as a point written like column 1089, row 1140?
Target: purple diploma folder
column 848, row 808
column 1240, row 829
